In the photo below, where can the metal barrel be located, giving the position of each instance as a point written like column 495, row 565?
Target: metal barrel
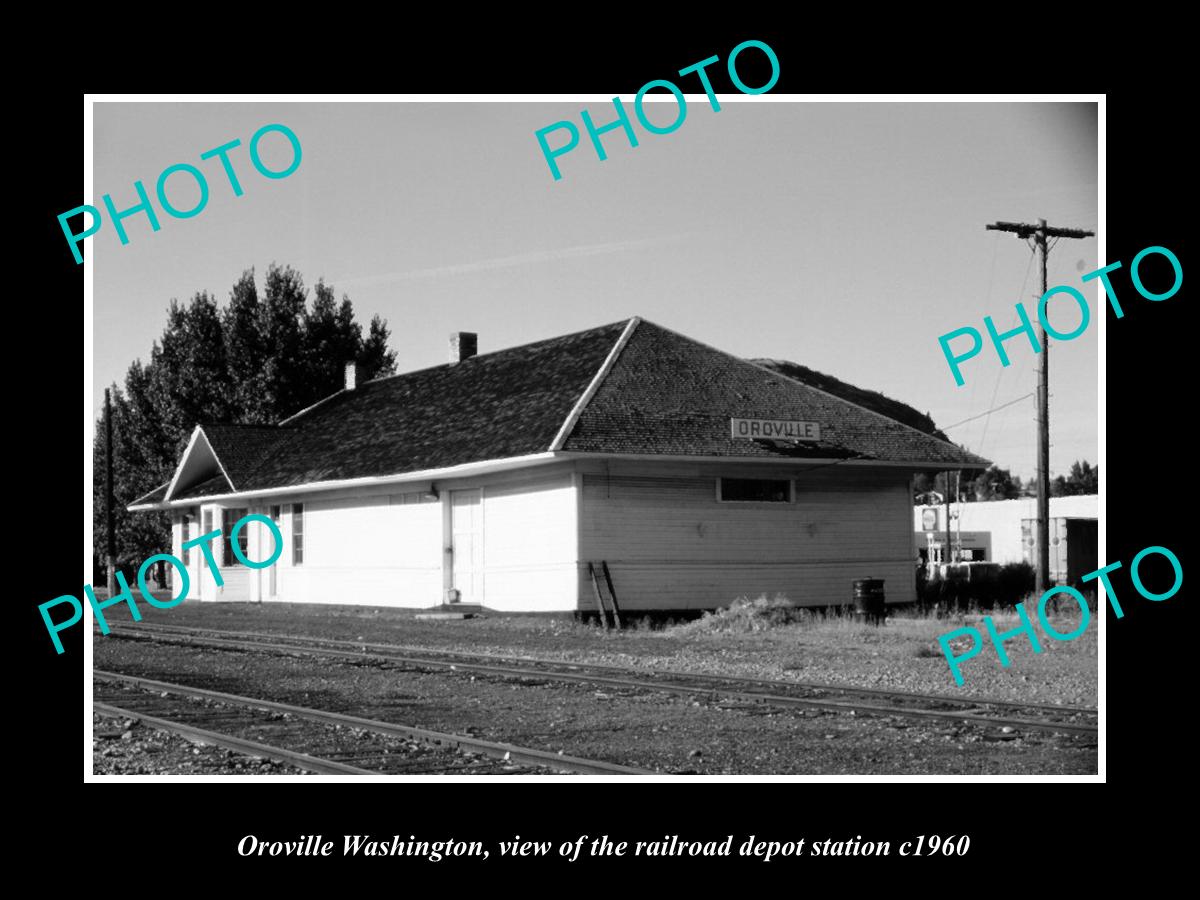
column 869, row 599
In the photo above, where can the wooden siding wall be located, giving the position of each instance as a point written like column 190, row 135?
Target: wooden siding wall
column 668, row 541
column 382, row 550
column 236, row 586
column 671, row 545
column 530, row 546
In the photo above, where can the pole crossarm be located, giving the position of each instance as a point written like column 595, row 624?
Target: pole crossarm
column 1025, row 230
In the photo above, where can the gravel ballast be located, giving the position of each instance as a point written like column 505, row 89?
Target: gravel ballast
column 670, row 734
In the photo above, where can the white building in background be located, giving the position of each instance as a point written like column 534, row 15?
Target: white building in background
column 496, row 479
column 1003, row 531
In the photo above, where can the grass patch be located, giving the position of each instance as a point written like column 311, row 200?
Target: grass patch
column 747, row 615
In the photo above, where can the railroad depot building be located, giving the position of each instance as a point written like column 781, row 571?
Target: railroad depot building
column 699, row 477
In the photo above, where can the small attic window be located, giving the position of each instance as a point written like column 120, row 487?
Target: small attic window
column 754, row 490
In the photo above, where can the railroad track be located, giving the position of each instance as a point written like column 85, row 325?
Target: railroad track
column 321, row 741
column 874, row 701
column 229, row 742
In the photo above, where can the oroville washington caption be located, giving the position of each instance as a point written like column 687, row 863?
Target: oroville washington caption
column 361, row 845
column 670, row 845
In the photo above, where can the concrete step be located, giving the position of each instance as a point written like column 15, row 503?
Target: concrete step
column 451, row 611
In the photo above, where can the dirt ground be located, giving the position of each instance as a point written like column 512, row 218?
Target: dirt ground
column 666, row 733
column 903, row 654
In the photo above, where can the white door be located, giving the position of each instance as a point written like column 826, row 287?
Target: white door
column 466, row 543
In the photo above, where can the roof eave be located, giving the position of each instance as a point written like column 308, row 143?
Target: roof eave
column 916, row 466
column 483, row 467
column 537, row 459
column 147, row 494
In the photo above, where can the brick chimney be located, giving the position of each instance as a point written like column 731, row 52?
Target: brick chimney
column 463, row 345
column 351, row 376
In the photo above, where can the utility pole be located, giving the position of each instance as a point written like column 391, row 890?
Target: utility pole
column 959, row 500
column 1040, row 232
column 946, row 501
column 110, row 543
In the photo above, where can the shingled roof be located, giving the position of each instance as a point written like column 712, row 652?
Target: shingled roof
column 649, row 391
column 494, row 406
column 242, row 447
column 670, row 395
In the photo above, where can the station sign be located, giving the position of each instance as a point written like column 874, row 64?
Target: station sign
column 775, row 429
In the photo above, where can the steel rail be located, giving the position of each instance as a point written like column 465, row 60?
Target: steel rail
column 607, row 667
column 507, row 752
column 240, row 745
column 609, row 681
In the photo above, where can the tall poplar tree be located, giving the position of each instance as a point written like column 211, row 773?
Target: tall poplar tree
column 258, row 360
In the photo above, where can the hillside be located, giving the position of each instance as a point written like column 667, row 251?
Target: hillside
column 872, row 400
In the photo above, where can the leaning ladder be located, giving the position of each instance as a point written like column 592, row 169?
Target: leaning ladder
column 612, row 594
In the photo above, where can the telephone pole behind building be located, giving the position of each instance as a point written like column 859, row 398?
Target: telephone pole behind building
column 946, row 500
column 110, row 559
column 1040, row 232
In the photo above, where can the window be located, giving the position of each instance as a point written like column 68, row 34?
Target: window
column 297, row 533
column 229, row 518
column 754, row 490
column 186, row 535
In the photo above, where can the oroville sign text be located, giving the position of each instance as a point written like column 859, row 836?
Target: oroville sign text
column 780, row 429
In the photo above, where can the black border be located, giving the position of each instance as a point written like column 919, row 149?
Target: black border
column 1147, row 407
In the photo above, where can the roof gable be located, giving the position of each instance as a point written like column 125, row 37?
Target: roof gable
column 198, row 463
column 667, row 394
column 220, row 455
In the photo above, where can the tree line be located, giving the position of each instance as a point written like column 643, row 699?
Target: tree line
column 257, row 360
column 1000, row 484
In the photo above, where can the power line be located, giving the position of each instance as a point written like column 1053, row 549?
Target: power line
column 989, row 411
column 1003, row 369
column 988, row 420
column 838, row 462
column 987, row 305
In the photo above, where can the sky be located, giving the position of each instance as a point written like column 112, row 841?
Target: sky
column 846, row 237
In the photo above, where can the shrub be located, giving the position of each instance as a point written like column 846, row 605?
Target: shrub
column 1003, row 587
column 1014, row 582
column 744, row 615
